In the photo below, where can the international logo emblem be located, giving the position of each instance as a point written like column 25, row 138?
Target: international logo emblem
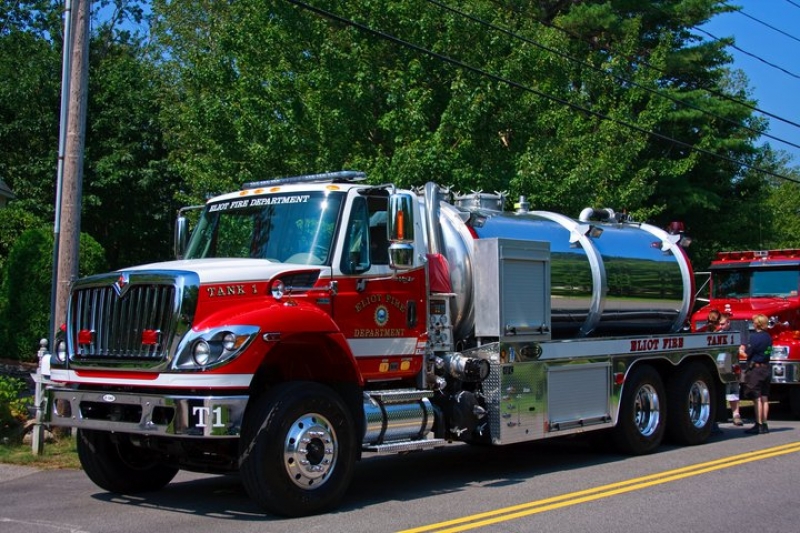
column 122, row 284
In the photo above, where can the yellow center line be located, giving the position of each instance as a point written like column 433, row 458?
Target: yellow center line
column 573, row 498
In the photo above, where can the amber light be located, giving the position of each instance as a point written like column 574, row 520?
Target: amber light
column 150, row 337
column 400, row 226
column 85, row 336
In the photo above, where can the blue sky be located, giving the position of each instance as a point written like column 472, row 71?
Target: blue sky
column 774, row 90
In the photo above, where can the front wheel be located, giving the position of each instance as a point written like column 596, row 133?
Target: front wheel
column 298, row 449
column 115, row 464
column 640, row 427
column 794, row 400
column 692, row 409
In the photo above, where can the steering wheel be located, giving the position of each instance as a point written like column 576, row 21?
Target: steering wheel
column 304, row 258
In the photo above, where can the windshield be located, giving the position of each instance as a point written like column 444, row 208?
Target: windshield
column 751, row 283
column 285, row 228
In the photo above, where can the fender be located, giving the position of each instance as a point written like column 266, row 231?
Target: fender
column 293, row 333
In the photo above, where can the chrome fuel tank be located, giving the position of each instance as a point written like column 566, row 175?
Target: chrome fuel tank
column 607, row 278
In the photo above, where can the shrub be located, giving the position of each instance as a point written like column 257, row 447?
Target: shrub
column 26, row 289
column 13, row 407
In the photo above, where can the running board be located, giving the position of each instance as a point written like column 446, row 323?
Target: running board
column 406, row 446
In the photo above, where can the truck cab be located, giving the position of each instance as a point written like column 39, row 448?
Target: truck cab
column 745, row 283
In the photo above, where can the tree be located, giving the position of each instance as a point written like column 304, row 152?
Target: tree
column 25, row 289
column 129, row 189
column 129, row 193
column 594, row 103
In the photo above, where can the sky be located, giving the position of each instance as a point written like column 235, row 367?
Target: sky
column 773, row 38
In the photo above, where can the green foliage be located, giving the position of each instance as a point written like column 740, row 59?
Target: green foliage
column 13, row 406
column 572, row 104
column 27, row 286
column 597, row 92
column 129, row 193
column 13, row 222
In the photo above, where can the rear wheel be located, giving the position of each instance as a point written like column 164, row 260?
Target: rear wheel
column 691, row 406
column 115, row 464
column 298, row 449
column 640, row 427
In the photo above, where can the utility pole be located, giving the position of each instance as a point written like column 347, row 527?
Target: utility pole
column 68, row 213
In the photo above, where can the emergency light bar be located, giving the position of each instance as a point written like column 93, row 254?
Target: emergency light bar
column 342, row 176
column 759, row 255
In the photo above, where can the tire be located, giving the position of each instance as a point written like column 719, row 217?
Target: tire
column 794, row 400
column 691, row 405
column 298, row 449
column 640, row 426
column 116, row 465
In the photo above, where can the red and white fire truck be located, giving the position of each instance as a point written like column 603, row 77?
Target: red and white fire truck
column 312, row 321
column 764, row 282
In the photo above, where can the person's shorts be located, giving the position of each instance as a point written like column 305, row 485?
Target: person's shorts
column 732, row 392
column 757, row 381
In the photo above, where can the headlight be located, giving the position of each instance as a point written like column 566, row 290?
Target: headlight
column 780, row 352
column 201, row 352
column 212, row 347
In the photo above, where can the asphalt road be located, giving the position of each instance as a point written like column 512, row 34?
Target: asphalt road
column 735, row 482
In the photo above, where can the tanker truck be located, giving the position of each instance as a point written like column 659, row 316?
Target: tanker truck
column 313, row 321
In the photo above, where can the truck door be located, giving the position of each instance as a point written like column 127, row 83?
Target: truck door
column 382, row 313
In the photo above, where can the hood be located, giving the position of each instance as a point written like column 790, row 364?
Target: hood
column 224, row 270
column 745, row 309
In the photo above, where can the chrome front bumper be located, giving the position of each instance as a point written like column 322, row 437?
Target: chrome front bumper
column 146, row 414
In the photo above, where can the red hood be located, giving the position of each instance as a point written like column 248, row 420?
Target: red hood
column 745, row 309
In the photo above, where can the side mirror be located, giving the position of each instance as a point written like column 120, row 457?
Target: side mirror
column 181, row 236
column 400, row 226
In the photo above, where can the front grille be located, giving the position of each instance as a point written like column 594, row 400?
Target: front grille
column 136, row 323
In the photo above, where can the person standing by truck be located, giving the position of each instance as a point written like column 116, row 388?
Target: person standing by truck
column 733, row 389
column 759, row 373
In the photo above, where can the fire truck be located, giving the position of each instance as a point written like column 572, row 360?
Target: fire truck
column 766, row 282
column 313, row 321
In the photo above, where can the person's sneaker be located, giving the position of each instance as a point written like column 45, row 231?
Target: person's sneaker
column 737, row 420
column 755, row 430
column 763, row 428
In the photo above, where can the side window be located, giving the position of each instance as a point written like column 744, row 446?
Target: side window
column 355, row 258
column 378, row 236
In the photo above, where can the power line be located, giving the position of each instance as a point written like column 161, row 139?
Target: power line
column 645, row 63
column 602, row 71
column 793, row 3
column 758, row 58
column 511, row 83
column 773, row 28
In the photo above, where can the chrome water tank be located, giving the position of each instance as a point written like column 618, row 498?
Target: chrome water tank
column 608, row 276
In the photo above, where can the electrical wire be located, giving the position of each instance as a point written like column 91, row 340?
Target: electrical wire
column 602, row 71
column 773, row 28
column 758, row 58
column 511, row 83
column 646, row 64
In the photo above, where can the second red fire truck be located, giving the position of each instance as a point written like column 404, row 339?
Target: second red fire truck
column 745, row 283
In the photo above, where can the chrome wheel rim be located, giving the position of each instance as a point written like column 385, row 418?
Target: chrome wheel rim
column 310, row 451
column 647, row 413
column 699, row 404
